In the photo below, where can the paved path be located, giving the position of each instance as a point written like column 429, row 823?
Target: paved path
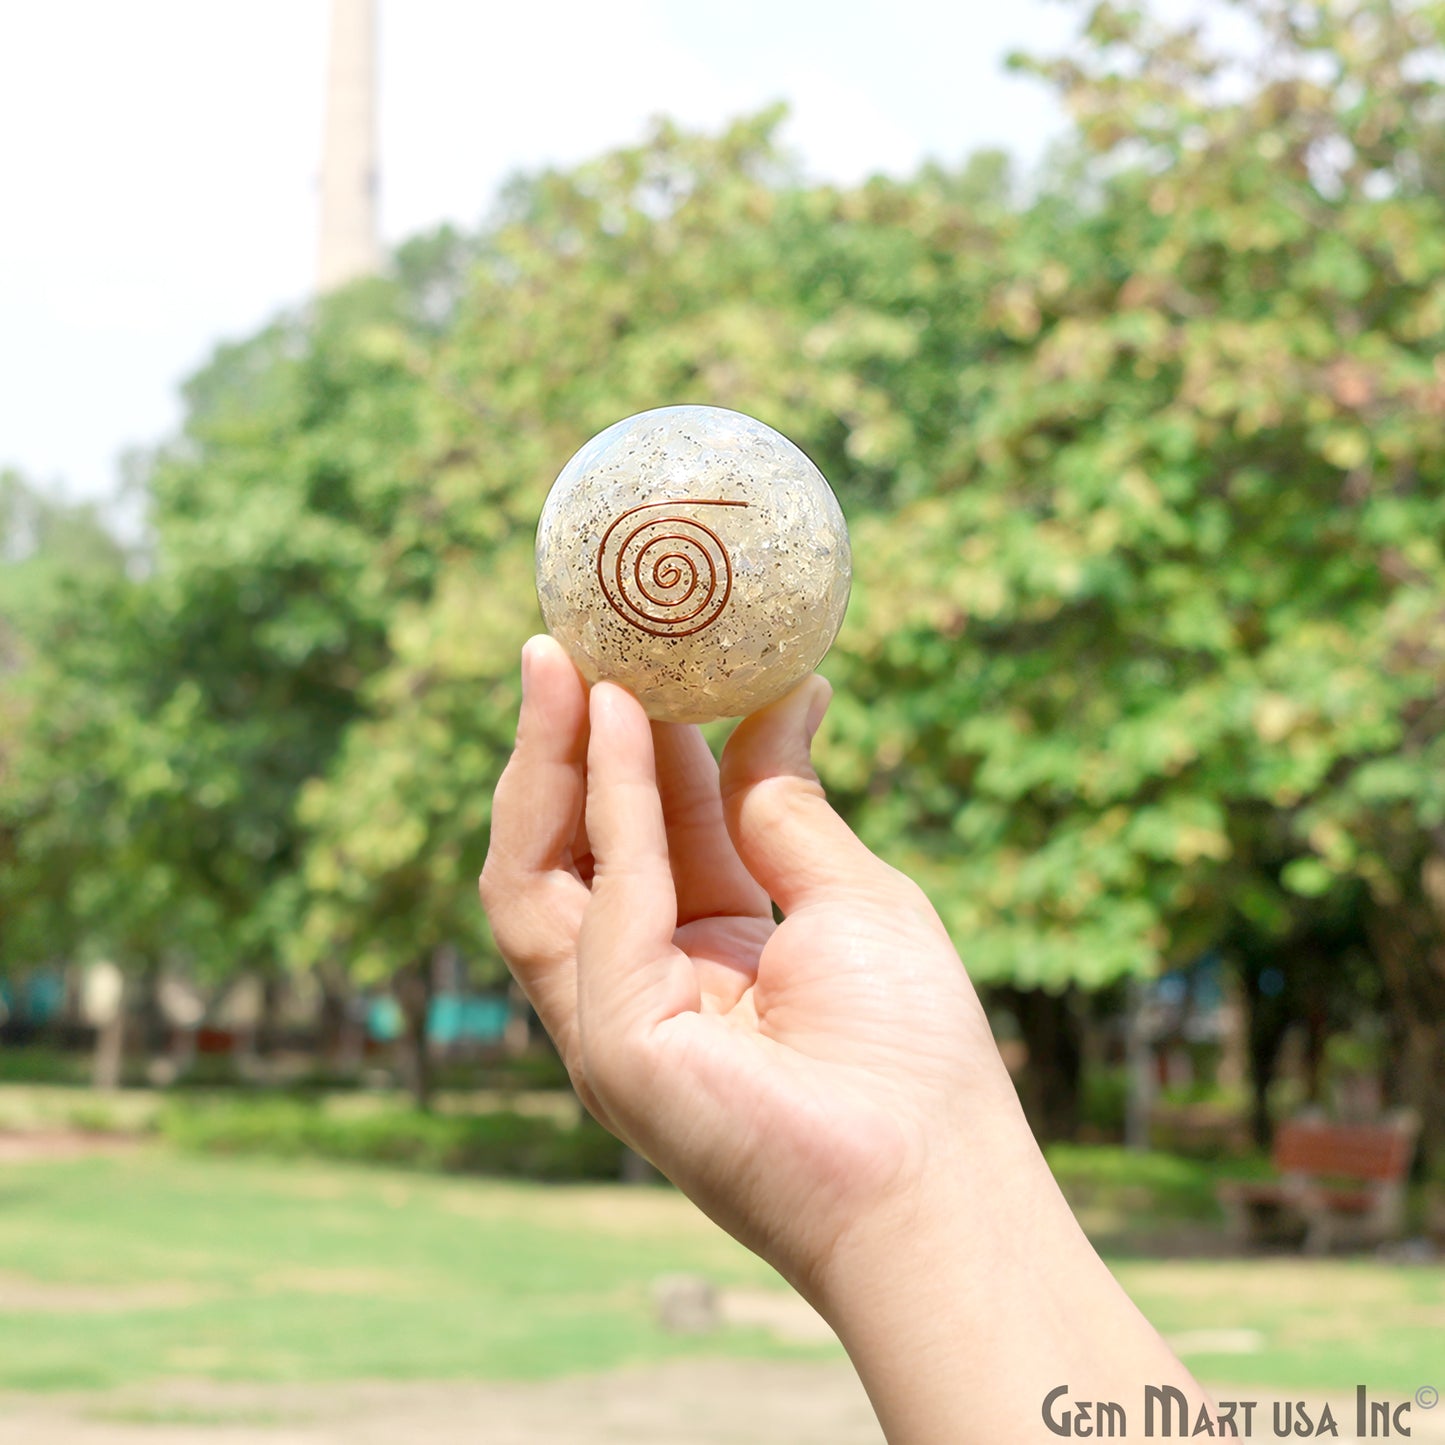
column 713, row 1402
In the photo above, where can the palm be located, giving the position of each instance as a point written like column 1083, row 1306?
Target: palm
column 631, row 888
column 808, row 988
column 797, row 983
column 807, row 985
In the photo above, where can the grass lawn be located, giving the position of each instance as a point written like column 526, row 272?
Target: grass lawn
column 126, row 1267
column 1325, row 1325
column 152, row 1263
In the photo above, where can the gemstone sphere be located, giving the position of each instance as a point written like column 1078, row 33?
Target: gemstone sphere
column 697, row 558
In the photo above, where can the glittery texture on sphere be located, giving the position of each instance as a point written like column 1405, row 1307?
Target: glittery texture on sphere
column 696, row 557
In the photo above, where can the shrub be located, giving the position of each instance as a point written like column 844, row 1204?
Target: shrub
column 1165, row 1185
column 41, row 1064
column 503, row 1143
column 1104, row 1101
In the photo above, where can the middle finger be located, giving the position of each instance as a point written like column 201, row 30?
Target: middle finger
column 708, row 874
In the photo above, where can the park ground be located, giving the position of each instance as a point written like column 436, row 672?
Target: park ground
column 148, row 1295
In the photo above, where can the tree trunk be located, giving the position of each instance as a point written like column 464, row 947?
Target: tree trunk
column 334, row 1022
column 1422, row 1084
column 268, row 1023
column 1050, row 1086
column 1317, row 1035
column 109, row 1052
column 412, row 988
column 104, row 1007
column 1409, row 947
column 1270, row 1009
column 1267, row 1022
column 1139, row 1059
column 151, row 1024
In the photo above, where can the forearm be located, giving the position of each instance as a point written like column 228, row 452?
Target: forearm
column 963, row 1313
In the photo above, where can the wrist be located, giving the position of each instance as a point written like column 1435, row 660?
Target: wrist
column 949, row 1243
column 962, row 1307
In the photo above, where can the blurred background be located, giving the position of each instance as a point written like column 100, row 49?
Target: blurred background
column 1118, row 331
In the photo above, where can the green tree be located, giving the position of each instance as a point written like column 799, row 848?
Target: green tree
column 687, row 268
column 1174, row 610
column 170, row 721
column 61, row 567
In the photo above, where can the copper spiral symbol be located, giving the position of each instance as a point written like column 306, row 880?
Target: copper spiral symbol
column 665, row 574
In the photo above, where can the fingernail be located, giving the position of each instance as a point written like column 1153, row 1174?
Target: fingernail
column 526, row 666
column 817, row 707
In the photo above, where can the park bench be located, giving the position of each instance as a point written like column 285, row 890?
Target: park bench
column 1344, row 1183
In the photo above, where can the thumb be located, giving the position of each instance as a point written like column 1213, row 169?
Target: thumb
column 782, row 826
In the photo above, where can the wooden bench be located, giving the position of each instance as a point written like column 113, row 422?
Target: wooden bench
column 1344, row 1183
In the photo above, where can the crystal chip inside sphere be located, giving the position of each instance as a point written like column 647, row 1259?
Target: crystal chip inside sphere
column 696, row 557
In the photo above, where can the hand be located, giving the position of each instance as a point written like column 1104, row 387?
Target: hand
column 791, row 1078
column 826, row 1088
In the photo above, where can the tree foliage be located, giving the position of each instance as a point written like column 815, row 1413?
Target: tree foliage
column 1168, row 630
column 1147, row 478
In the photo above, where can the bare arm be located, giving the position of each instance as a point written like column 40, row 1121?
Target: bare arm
column 826, row 1089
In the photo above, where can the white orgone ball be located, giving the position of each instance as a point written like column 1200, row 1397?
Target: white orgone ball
column 696, row 557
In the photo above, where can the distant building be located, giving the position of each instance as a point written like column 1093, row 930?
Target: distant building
column 349, row 247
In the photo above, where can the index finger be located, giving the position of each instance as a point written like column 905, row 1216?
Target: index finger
column 533, row 900
column 630, row 974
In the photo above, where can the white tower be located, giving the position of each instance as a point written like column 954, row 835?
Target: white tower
column 349, row 246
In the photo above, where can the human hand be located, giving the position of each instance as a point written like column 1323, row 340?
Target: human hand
column 827, row 1088
column 794, row 1079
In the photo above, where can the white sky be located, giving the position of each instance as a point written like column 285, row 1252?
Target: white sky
column 158, row 158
